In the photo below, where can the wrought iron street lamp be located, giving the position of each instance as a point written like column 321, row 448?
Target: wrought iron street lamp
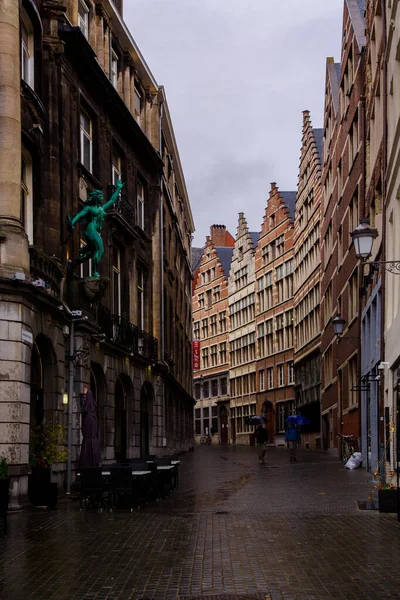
column 363, row 237
column 338, row 325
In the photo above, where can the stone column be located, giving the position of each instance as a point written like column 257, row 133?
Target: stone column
column 132, row 84
column 127, row 81
column 106, row 65
column 100, row 35
column 13, row 239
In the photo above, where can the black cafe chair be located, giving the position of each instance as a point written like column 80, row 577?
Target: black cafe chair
column 93, row 489
column 122, row 488
column 165, row 477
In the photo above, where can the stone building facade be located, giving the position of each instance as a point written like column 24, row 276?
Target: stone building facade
column 274, row 315
column 210, row 331
column 83, row 111
column 391, row 229
column 242, row 334
column 307, row 274
column 343, row 193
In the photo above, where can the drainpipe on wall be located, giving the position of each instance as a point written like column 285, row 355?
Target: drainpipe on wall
column 71, row 374
column 381, row 423
column 162, row 340
column 71, row 378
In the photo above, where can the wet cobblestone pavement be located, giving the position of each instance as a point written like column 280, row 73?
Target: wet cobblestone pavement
column 234, row 530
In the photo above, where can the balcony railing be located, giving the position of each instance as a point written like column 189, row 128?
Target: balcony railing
column 121, row 331
column 45, row 268
column 122, row 209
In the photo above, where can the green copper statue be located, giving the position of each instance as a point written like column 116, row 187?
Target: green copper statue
column 92, row 215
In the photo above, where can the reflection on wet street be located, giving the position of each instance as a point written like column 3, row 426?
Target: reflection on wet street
column 233, row 527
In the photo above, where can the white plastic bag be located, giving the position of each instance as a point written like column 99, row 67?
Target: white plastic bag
column 354, row 461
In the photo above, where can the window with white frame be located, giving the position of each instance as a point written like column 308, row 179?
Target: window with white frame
column 27, row 50
column 83, row 18
column 85, row 268
column 214, row 326
column 197, row 417
column 137, row 104
column 201, row 300
column 290, row 372
column 196, row 330
column 114, row 68
column 214, row 356
column 222, row 353
column 281, row 412
column 140, row 297
column 204, row 328
column 116, row 167
column 86, row 133
column 140, row 204
column 270, row 377
column 204, row 355
column 27, row 194
column 281, row 375
column 217, row 293
column 262, row 380
column 116, row 281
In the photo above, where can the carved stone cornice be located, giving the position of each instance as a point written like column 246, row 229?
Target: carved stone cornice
column 55, row 47
column 101, row 12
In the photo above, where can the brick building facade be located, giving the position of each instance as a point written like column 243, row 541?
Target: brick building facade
column 307, row 274
column 242, row 334
column 210, row 329
column 342, row 181
column 274, row 316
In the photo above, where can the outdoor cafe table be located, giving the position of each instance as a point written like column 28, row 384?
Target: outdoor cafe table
column 136, row 473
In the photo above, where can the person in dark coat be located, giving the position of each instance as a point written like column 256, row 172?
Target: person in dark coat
column 261, row 439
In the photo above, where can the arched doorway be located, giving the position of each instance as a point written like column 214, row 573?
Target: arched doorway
column 120, row 421
column 98, row 387
column 223, row 425
column 43, row 381
column 268, row 414
column 43, row 385
column 146, row 418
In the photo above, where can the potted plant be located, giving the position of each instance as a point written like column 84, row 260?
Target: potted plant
column 387, row 492
column 387, row 497
column 47, row 448
column 4, row 490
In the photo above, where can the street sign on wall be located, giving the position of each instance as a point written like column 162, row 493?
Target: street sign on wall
column 196, row 355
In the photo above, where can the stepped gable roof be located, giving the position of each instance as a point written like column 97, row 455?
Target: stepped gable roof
column 289, row 199
column 255, row 236
column 319, row 140
column 356, row 10
column 333, row 77
column 225, row 256
column 196, row 255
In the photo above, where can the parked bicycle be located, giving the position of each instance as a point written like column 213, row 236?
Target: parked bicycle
column 206, row 439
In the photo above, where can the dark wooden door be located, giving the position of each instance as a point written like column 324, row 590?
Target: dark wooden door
column 223, row 424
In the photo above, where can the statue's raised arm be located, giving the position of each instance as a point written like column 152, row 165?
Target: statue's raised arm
column 118, row 187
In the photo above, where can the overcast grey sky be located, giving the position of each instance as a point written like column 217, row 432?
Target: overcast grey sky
column 237, row 76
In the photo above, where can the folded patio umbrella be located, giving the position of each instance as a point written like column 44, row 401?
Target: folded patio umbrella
column 90, row 449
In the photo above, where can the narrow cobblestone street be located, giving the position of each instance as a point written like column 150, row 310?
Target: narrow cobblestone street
column 234, row 528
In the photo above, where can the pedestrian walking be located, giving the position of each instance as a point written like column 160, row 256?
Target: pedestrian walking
column 261, row 438
column 292, row 437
